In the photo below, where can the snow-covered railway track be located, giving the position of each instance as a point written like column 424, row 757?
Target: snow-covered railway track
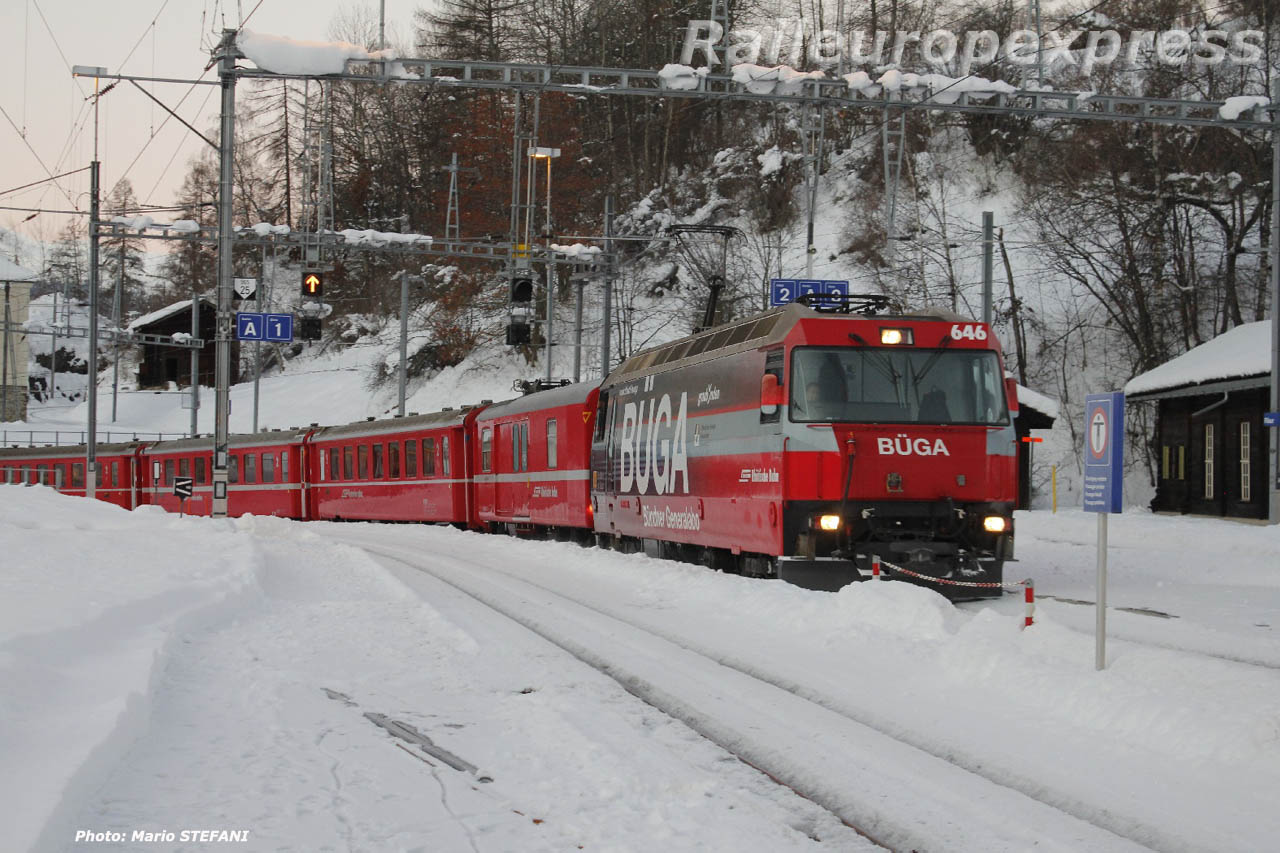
column 1126, row 633
column 897, row 793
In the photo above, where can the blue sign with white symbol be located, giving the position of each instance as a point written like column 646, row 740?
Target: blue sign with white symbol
column 1271, row 419
column 279, row 327
column 784, row 290
column 250, row 326
column 1104, row 452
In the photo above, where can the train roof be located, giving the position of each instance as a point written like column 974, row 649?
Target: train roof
column 565, row 395
column 759, row 330
column 64, row 450
column 432, row 420
column 205, row 442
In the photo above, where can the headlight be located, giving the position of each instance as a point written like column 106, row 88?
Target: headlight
column 893, row 337
column 829, row 522
column 994, row 524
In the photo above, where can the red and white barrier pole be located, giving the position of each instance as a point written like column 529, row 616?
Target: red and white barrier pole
column 875, row 567
column 1030, row 597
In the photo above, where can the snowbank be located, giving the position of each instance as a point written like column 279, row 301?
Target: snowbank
column 91, row 599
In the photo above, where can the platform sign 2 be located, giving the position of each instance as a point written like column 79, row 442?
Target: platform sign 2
column 784, row 290
column 1104, row 452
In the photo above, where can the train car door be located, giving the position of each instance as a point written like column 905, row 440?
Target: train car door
column 522, row 487
column 503, row 466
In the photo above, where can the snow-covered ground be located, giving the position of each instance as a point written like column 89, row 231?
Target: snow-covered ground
column 165, row 674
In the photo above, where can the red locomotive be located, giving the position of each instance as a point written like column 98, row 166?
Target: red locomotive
column 802, row 443
column 797, row 444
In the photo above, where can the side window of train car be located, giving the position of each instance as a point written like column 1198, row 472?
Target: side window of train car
column 347, row 455
column 335, row 469
column 377, row 461
column 250, row 468
column 168, row 472
column 602, row 415
column 200, row 469
column 184, row 467
column 411, row 458
column 77, row 475
column 444, row 455
column 393, row 459
column 515, row 447
column 103, row 468
column 268, row 468
column 524, row 446
column 42, row 475
column 233, row 468
column 362, row 459
column 115, row 475
column 284, row 466
column 97, row 475
column 551, row 443
column 428, row 457
column 486, row 448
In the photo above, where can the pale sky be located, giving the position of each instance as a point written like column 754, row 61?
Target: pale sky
column 49, row 109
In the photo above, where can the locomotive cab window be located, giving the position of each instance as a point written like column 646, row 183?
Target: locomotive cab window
column 876, row 385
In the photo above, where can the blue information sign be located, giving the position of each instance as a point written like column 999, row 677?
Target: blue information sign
column 250, row 326
column 1104, row 452
column 1271, row 419
column 279, row 327
column 784, row 290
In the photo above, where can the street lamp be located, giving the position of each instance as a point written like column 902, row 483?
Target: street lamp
column 91, row 440
column 548, row 154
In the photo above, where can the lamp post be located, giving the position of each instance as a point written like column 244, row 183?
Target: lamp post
column 91, row 440
column 548, row 154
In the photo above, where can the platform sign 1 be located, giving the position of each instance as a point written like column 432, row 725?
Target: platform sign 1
column 279, row 327
column 784, row 290
column 1104, row 452
column 250, row 326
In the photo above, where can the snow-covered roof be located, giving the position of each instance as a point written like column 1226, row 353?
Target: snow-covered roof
column 1243, row 351
column 1038, row 401
column 9, row 271
column 165, row 313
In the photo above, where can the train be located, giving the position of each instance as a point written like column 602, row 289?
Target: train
column 802, row 443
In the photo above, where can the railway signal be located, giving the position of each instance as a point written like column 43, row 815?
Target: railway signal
column 312, row 285
column 521, row 308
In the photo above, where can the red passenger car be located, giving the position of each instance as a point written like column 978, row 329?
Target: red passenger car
column 532, row 462
column 264, row 474
column 64, row 469
column 405, row 469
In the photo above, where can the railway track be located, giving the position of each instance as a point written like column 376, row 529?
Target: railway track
column 899, row 794
column 1119, row 632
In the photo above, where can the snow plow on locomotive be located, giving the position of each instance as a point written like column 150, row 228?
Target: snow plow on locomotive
column 803, row 443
